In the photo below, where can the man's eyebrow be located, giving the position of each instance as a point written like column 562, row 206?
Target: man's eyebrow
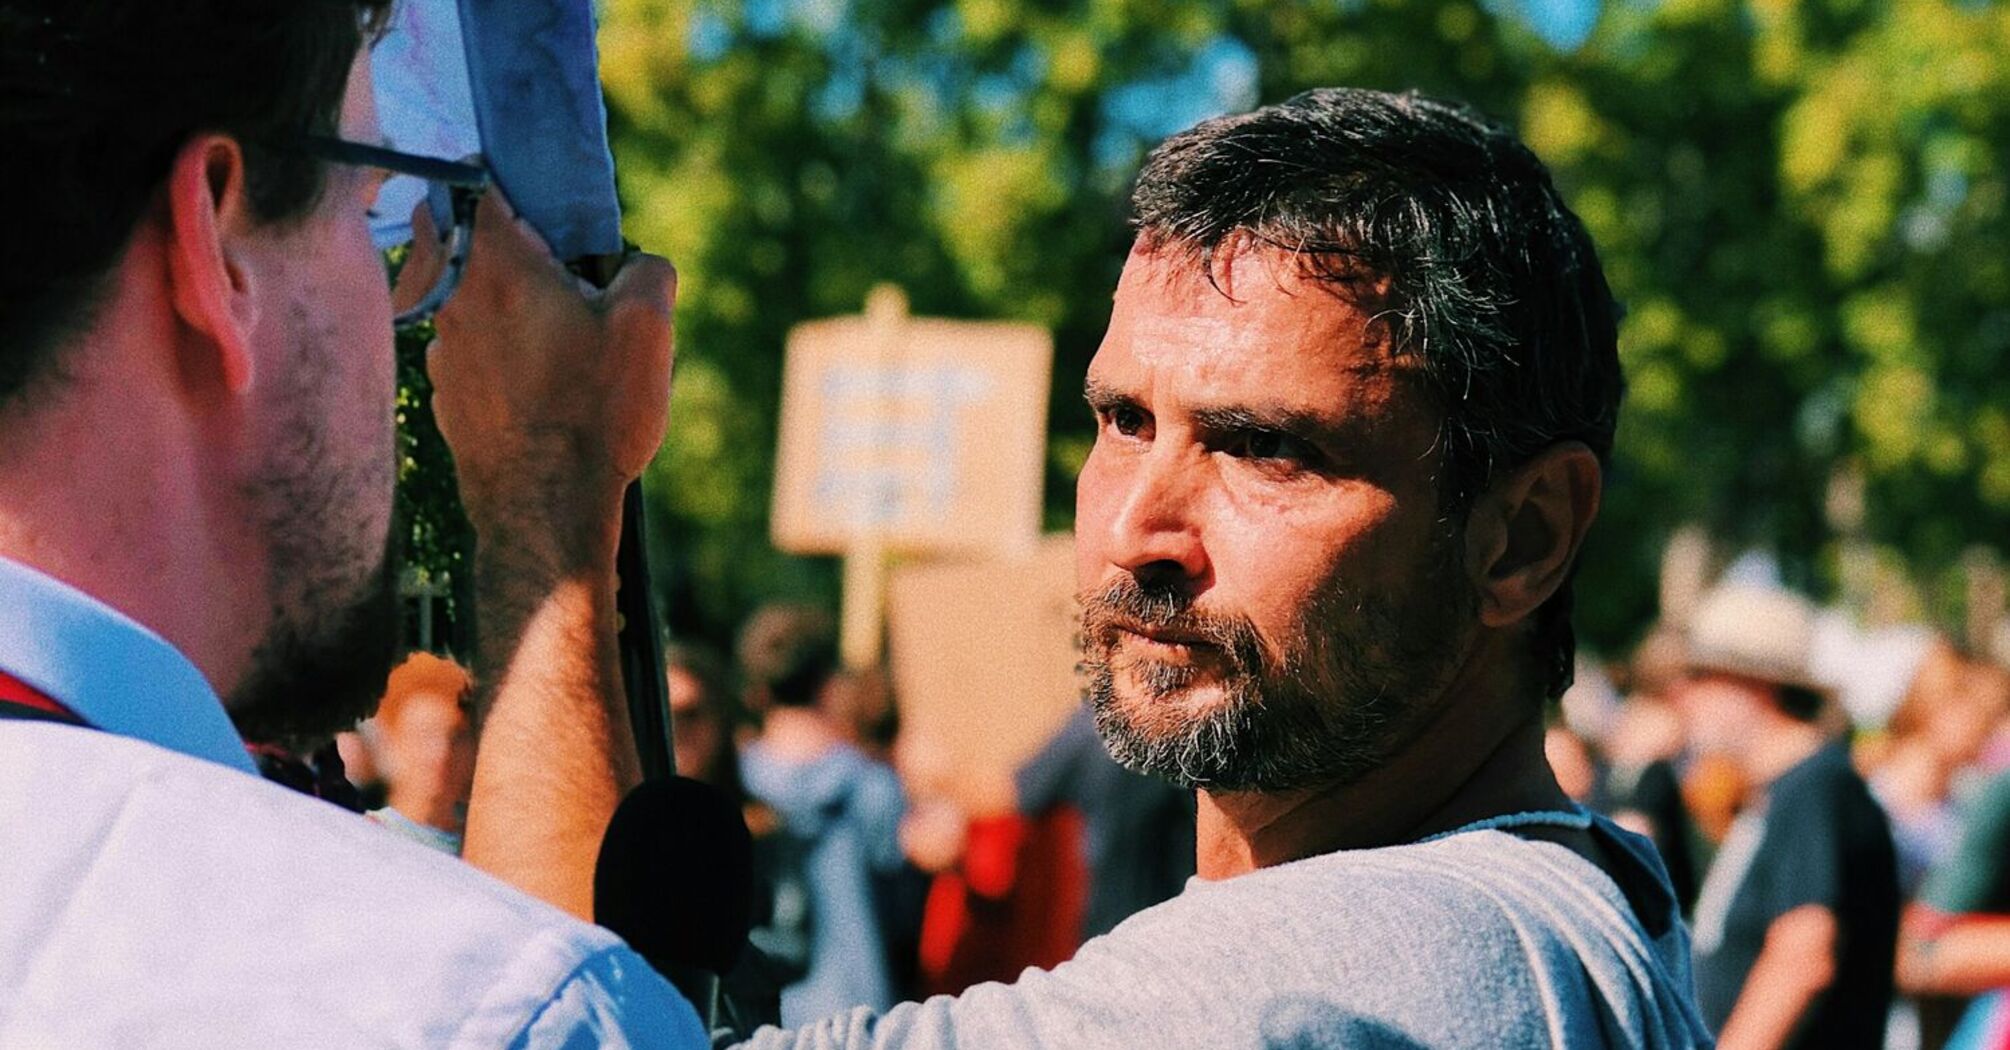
column 1102, row 396
column 1278, row 419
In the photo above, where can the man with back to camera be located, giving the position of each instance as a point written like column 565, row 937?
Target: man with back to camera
column 425, row 746
column 1358, row 385
column 839, row 810
column 196, row 388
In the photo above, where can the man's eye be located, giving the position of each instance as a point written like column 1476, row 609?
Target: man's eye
column 1127, row 420
column 1271, row 445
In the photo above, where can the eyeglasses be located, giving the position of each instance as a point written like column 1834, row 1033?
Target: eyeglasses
column 450, row 189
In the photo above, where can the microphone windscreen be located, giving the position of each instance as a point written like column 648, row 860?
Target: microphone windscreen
column 675, row 875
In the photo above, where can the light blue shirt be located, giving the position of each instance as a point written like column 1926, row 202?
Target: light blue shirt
column 116, row 674
column 158, row 893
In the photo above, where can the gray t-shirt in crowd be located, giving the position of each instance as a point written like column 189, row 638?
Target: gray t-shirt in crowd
column 1481, row 939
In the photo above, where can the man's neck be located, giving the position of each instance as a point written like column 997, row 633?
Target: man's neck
column 1480, row 756
column 102, row 491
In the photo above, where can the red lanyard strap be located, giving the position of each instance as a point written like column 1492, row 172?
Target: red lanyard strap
column 19, row 702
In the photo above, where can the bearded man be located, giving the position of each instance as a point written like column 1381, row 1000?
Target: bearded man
column 1357, row 391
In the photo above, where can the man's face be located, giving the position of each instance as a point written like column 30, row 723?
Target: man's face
column 319, row 482
column 1270, row 597
column 1720, row 711
column 695, row 729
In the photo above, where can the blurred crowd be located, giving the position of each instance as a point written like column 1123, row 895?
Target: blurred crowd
column 1816, row 853
column 1818, row 848
column 887, row 870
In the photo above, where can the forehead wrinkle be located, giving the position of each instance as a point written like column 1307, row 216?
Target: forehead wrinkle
column 1331, row 352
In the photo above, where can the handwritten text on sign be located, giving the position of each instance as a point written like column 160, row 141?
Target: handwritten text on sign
column 923, row 435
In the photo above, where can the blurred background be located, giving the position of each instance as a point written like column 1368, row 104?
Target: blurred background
column 1800, row 203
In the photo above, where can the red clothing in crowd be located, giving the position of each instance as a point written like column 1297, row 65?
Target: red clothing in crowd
column 1015, row 901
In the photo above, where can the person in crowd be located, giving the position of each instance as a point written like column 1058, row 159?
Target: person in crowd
column 197, row 382
column 1930, row 744
column 1008, row 889
column 1643, row 788
column 1353, row 405
column 1955, row 939
column 842, row 807
column 1797, row 918
column 1137, row 840
column 703, row 718
column 426, row 751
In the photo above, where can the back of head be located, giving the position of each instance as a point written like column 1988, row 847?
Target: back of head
column 422, row 678
column 1448, row 229
column 787, row 654
column 860, row 706
column 95, row 100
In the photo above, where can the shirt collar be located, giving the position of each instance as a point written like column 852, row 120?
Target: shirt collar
column 114, row 673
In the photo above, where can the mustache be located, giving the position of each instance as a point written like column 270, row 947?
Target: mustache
column 1127, row 603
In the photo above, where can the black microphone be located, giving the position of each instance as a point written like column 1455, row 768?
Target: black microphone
column 675, row 878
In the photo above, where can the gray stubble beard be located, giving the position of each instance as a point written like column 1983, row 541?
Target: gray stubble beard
column 1324, row 708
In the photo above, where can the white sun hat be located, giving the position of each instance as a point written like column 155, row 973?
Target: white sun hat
column 1756, row 631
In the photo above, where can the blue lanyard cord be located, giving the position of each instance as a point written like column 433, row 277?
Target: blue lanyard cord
column 1576, row 819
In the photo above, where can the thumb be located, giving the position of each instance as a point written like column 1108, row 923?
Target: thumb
column 423, row 263
column 645, row 282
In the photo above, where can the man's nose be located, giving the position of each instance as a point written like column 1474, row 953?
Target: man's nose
column 1156, row 531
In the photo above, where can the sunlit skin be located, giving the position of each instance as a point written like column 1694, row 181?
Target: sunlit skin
column 1257, row 437
column 430, row 756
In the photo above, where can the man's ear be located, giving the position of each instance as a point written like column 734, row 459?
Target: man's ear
column 209, row 216
column 1524, row 532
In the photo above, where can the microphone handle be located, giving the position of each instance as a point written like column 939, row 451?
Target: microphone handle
column 642, row 644
column 640, row 637
column 700, row 988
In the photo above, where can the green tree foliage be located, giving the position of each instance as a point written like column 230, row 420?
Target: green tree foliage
column 1802, row 203
column 437, row 537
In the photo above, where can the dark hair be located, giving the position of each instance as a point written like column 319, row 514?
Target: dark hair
column 1799, row 702
column 788, row 653
column 1443, row 225
column 96, row 98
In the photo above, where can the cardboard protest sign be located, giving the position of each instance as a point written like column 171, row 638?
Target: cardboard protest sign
column 984, row 654
column 911, row 434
